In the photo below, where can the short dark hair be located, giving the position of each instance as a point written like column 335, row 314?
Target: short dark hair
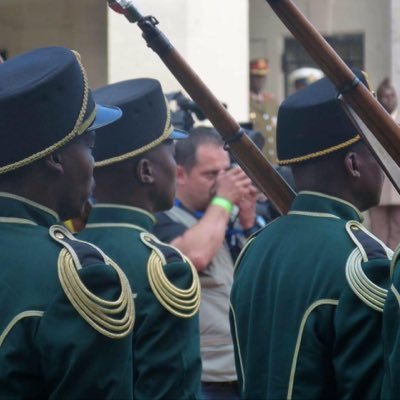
column 185, row 150
column 385, row 84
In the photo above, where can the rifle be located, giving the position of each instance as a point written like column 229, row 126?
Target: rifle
column 246, row 153
column 377, row 127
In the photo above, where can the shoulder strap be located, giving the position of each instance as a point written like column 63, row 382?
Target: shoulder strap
column 179, row 215
column 368, row 248
column 183, row 303
column 113, row 319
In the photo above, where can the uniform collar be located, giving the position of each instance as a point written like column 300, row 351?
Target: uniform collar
column 107, row 213
column 308, row 202
column 17, row 209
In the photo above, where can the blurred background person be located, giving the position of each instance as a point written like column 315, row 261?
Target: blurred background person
column 265, row 210
column 385, row 218
column 263, row 107
column 302, row 77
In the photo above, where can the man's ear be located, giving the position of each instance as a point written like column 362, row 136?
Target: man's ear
column 144, row 171
column 54, row 162
column 352, row 165
column 181, row 175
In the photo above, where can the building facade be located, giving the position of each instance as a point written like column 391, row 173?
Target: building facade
column 217, row 38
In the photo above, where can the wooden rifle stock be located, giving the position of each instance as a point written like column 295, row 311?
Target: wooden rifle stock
column 246, row 153
column 368, row 109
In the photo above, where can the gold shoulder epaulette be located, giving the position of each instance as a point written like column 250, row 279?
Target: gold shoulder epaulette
column 113, row 319
column 183, row 303
column 371, row 294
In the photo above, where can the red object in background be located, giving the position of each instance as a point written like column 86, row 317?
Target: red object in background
column 116, row 7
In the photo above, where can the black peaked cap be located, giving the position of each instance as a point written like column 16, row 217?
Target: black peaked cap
column 145, row 123
column 45, row 102
column 312, row 123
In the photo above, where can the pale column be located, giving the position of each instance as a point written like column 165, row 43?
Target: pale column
column 395, row 43
column 211, row 35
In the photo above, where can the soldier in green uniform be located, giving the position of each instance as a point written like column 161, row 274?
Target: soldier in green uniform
column 135, row 177
column 66, row 308
column 391, row 334
column 263, row 107
column 309, row 289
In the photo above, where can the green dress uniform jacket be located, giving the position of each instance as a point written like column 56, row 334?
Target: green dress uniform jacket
column 306, row 305
column 50, row 348
column 391, row 335
column 166, row 344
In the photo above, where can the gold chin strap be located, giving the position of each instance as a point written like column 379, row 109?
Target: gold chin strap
column 80, row 126
column 183, row 303
column 147, row 147
column 114, row 319
column 320, row 153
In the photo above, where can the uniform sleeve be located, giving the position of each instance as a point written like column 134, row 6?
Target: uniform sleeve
column 358, row 353
column 167, row 346
column 391, row 340
column 78, row 360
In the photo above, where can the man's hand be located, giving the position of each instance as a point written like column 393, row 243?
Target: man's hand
column 233, row 185
column 247, row 208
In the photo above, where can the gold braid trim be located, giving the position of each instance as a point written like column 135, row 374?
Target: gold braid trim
column 166, row 133
column 243, row 251
column 321, row 152
column 12, row 220
column 183, row 303
column 79, row 128
column 367, row 291
column 97, row 312
column 17, row 319
column 300, row 335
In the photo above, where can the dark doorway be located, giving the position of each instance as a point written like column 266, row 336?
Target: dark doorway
column 349, row 47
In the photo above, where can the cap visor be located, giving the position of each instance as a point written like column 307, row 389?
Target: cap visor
column 105, row 115
column 178, row 134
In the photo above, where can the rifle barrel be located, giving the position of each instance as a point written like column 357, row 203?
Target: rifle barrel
column 358, row 96
column 246, row 153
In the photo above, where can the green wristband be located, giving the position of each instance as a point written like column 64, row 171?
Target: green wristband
column 222, row 202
